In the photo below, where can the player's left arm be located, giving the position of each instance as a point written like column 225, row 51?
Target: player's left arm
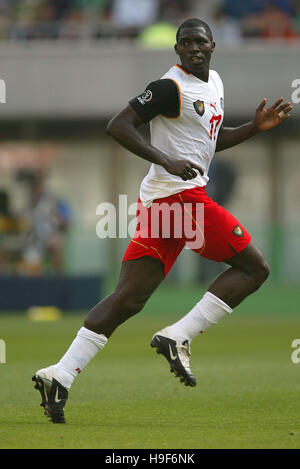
column 265, row 119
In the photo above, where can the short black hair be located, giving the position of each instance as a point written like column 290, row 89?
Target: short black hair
column 192, row 23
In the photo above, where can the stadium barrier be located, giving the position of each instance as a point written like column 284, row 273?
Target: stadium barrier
column 66, row 293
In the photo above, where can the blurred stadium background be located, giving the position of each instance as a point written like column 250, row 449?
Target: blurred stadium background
column 68, row 66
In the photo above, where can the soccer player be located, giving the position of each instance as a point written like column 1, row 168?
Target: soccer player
column 186, row 109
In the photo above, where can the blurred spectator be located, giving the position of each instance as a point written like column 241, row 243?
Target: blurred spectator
column 62, row 7
column 6, row 219
column 271, row 23
column 45, row 25
column 9, row 225
column 47, row 220
column 99, row 18
column 79, row 19
column 174, row 11
column 287, row 6
column 130, row 16
column 158, row 36
column 297, row 15
column 5, row 16
column 239, row 9
column 23, row 16
column 225, row 29
column 73, row 25
column 276, row 23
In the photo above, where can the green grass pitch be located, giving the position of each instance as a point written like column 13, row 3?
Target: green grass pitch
column 247, row 394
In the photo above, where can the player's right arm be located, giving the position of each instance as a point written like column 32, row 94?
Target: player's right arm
column 123, row 127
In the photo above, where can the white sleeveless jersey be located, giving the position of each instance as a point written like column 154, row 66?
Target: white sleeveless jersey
column 192, row 135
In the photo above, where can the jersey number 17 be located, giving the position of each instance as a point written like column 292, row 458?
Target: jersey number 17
column 214, row 122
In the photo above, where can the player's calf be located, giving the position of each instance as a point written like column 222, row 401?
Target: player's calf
column 115, row 309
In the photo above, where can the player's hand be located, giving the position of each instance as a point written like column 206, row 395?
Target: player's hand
column 183, row 168
column 267, row 118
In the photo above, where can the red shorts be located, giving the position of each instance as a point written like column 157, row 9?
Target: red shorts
column 221, row 234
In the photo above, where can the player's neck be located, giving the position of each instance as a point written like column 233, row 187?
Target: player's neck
column 202, row 74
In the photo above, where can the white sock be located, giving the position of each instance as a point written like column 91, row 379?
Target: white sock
column 207, row 312
column 83, row 348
